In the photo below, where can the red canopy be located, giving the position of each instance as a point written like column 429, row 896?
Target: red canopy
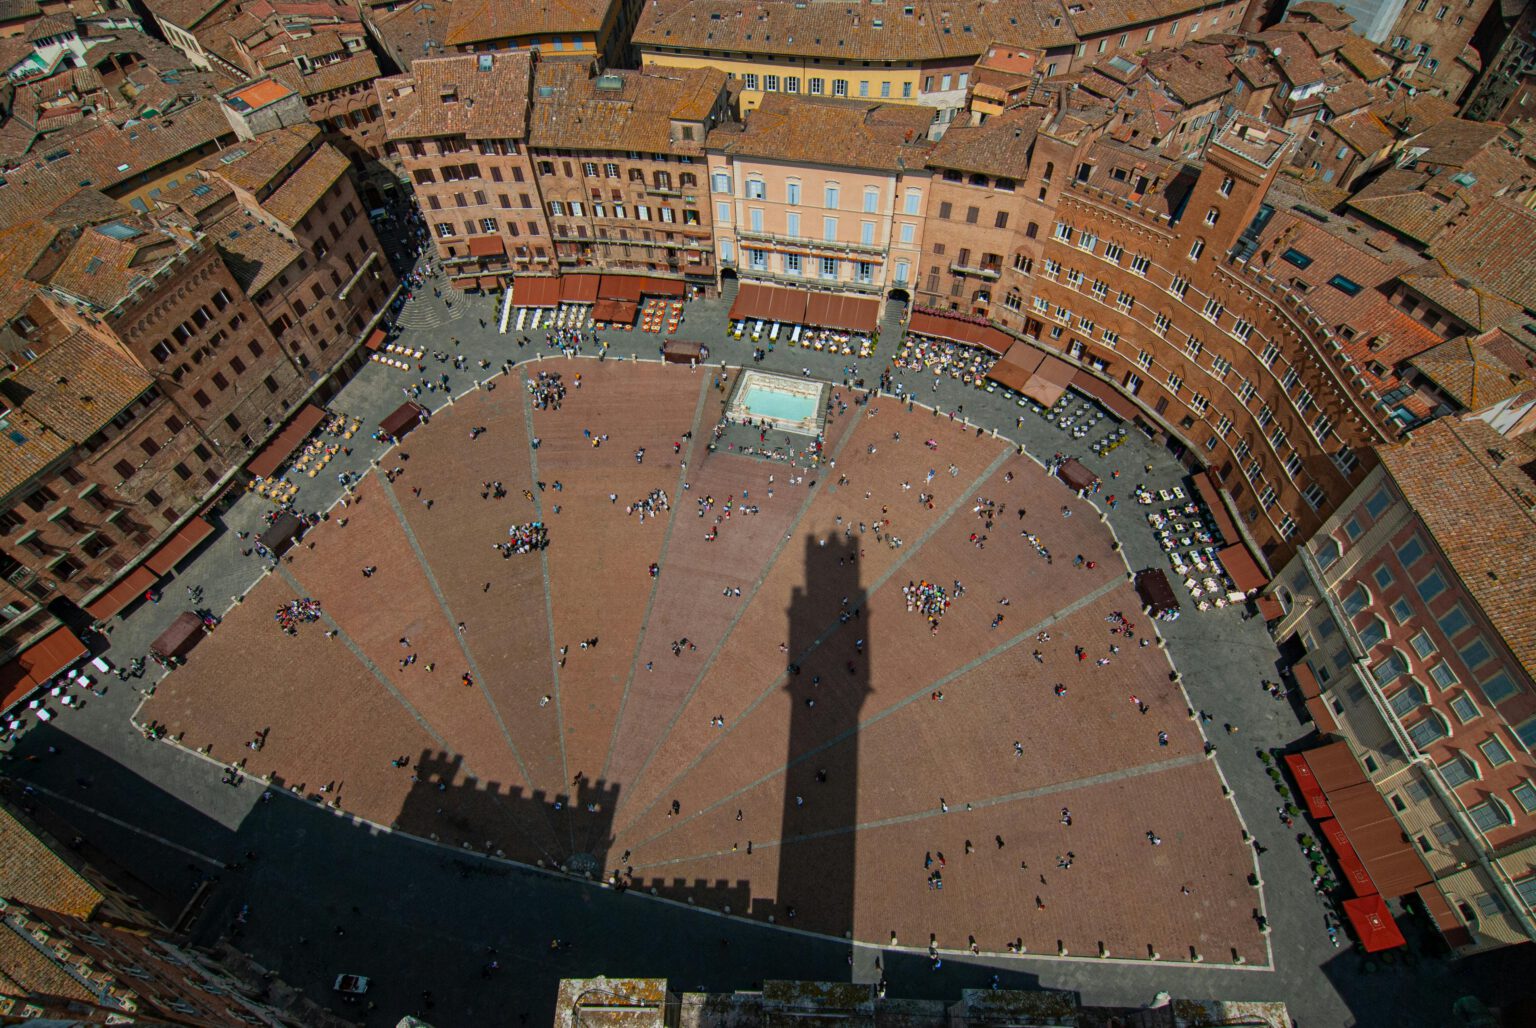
column 38, row 663
column 1373, row 923
column 487, row 246
column 578, row 288
column 830, row 310
column 633, row 287
column 957, row 331
column 1014, row 368
column 1307, row 785
column 286, row 441
column 620, row 312
column 1349, row 861
column 1107, row 395
column 782, row 305
column 1241, row 567
column 536, row 291
column 1049, row 381
column 1210, row 491
column 129, row 588
column 176, row 548
column 376, row 339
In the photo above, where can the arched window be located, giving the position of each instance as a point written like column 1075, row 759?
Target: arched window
column 1032, row 231
column 1212, row 216
column 687, row 179
column 1050, row 169
column 978, row 180
column 1004, row 185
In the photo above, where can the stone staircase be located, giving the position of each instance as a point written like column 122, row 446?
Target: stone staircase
column 891, row 325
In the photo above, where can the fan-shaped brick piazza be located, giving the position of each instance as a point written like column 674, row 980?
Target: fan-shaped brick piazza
column 811, row 732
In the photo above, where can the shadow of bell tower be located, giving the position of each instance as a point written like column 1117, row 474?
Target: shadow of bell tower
column 828, row 679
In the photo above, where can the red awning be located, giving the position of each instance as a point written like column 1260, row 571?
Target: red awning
column 1439, row 910
column 578, row 288
column 782, row 305
column 1349, row 861
column 285, row 442
column 129, row 588
column 1014, row 368
column 633, row 287
column 1393, row 863
column 1322, row 715
column 749, row 302
column 1307, row 784
column 620, row 312
column 957, row 331
column 1334, row 766
column 487, row 246
column 175, row 549
column 1245, row 574
column 1049, row 381
column 376, row 339
column 1210, row 491
column 1270, row 608
column 36, row 664
column 1306, row 681
column 1373, row 923
column 536, row 291
column 854, row 313
column 1105, row 394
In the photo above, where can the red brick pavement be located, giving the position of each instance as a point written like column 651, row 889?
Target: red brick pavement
column 888, row 749
column 598, row 557
column 329, row 719
column 751, row 662
column 1120, row 891
column 507, row 627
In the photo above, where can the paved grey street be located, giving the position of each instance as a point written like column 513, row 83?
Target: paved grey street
column 328, row 895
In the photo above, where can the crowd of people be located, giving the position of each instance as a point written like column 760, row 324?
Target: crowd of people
column 655, row 502
column 548, row 390
column 929, row 599
column 525, row 538
column 295, row 613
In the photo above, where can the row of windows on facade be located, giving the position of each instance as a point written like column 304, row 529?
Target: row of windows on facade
column 816, row 85
column 756, row 188
column 829, row 268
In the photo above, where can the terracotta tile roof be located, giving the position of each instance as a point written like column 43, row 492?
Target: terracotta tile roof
column 1323, row 13
column 1361, row 57
column 106, row 262
column 1346, row 94
column 414, row 31
column 1414, row 114
column 847, row 133
column 1100, row 16
column 25, row 969
column 77, row 387
column 256, row 165
column 360, row 67
column 1476, row 307
column 1481, row 510
column 1397, row 199
column 185, row 14
column 20, row 247
column 1193, row 72
column 489, row 104
column 1495, row 247
column 194, row 196
column 1454, row 142
column 634, row 110
column 310, row 181
column 1469, row 373
column 253, row 252
column 1384, row 335
column 22, row 461
column 33, row 874
column 936, row 29
column 474, row 21
column 999, row 146
column 1363, row 132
